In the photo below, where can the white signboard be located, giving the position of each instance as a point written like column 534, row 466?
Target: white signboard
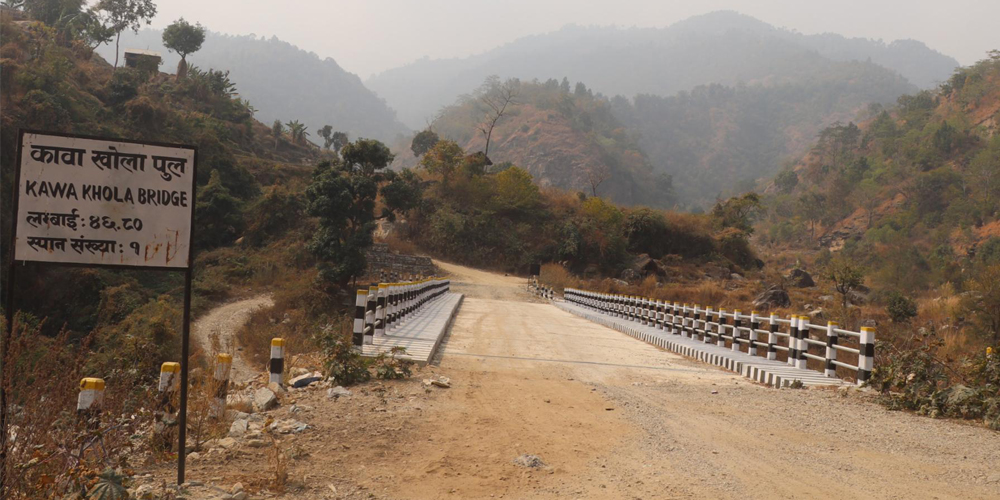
column 104, row 202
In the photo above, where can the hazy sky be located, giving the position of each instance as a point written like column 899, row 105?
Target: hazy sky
column 368, row 36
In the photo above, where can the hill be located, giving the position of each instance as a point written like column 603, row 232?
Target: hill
column 282, row 82
column 568, row 140
column 722, row 47
column 910, row 194
column 716, row 141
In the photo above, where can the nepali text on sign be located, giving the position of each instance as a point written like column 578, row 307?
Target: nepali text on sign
column 104, row 201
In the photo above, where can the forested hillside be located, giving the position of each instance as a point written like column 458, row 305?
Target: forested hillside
column 564, row 138
column 717, row 141
column 722, row 47
column 911, row 194
column 282, row 81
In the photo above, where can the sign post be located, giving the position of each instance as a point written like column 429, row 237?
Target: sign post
column 98, row 202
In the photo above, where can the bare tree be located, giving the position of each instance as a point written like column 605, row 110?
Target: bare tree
column 496, row 97
column 596, row 175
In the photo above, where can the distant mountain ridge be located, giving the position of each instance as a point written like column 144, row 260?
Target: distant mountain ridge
column 282, row 82
column 721, row 47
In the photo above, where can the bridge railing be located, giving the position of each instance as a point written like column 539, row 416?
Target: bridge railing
column 754, row 334
column 539, row 290
column 383, row 307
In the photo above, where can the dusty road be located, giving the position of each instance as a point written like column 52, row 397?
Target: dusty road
column 214, row 332
column 611, row 417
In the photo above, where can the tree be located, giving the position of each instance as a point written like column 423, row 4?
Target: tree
column 812, row 206
column 846, row 277
column 219, row 214
column 345, row 206
column 366, row 157
column 297, row 131
column 496, row 98
column 183, row 38
column 342, row 194
column 327, row 134
column 338, row 140
column 276, row 130
column 515, row 192
column 126, row 14
column 402, row 194
column 867, row 194
column 423, row 142
column 596, row 175
column 900, row 307
column 738, row 212
column 786, row 180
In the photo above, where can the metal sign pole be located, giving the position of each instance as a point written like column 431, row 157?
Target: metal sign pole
column 185, row 349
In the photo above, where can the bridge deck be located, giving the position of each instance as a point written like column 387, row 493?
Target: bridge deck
column 421, row 334
column 769, row 372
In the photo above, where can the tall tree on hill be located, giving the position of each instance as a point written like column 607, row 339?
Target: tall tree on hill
column 496, row 98
column 327, row 134
column 338, row 140
column 126, row 14
column 423, row 142
column 277, row 128
column 297, row 131
column 343, row 194
column 184, row 38
column 596, row 175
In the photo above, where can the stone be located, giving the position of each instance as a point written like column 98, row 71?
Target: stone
column 144, row 492
column 288, row 426
column 305, row 380
column 772, row 298
column 799, row 278
column 238, row 428
column 337, row 392
column 264, row 399
column 227, row 443
column 630, row 275
column 257, row 443
column 529, row 461
column 276, row 388
column 857, row 297
column 242, row 495
column 817, row 313
column 238, row 487
column 737, row 277
column 438, row 381
column 826, row 298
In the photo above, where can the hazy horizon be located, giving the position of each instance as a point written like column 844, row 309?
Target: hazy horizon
column 371, row 37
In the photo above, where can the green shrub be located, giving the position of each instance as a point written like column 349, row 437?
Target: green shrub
column 900, row 307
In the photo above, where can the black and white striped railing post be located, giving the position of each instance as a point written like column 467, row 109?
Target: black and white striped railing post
column 754, row 326
column 830, row 368
column 370, row 315
column 358, row 337
column 736, row 330
column 276, row 367
column 721, row 341
column 801, row 361
column 772, row 337
column 793, row 342
column 89, row 401
column 866, row 354
column 380, row 303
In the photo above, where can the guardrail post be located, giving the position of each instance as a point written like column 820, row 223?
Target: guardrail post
column 277, row 364
column 793, row 340
column 721, row 341
column 803, row 344
column 380, row 309
column 660, row 314
column 866, row 356
column 223, row 365
column 359, row 319
column 736, row 330
column 686, row 330
column 831, row 351
column 754, row 326
column 772, row 337
column 370, row 315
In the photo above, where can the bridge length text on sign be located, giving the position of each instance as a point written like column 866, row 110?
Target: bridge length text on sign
column 92, row 201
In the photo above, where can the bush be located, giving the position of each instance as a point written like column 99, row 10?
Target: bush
column 900, row 307
column 342, row 362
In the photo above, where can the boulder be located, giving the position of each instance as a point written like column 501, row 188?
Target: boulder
column 800, row 279
column 264, row 399
column 238, row 428
column 337, row 392
column 772, row 298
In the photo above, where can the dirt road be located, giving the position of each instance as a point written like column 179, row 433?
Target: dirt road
column 611, row 417
column 218, row 327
